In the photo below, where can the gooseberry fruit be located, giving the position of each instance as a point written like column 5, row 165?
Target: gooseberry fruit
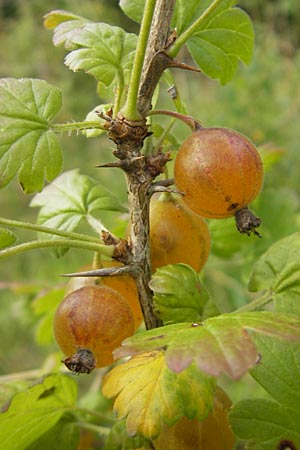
column 220, row 173
column 89, row 324
column 177, row 234
column 123, row 284
column 213, row 433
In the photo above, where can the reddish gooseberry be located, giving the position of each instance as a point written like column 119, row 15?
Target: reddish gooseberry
column 89, row 324
column 220, row 173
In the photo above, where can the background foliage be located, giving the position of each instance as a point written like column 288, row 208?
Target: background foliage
column 262, row 101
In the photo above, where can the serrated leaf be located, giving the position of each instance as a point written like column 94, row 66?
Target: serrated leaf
column 104, row 51
column 218, row 47
column 71, row 198
column 148, row 393
column 278, row 371
column 28, row 146
column 63, row 23
column 133, row 9
column 278, row 271
column 180, row 296
column 267, row 423
column 45, row 306
column 7, row 237
column 33, row 412
column 221, row 344
column 58, row 16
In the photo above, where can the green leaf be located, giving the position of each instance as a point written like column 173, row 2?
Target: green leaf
column 45, row 306
column 64, row 435
column 133, row 9
column 93, row 116
column 7, row 237
column 32, row 413
column 104, row 51
column 148, row 393
column 184, row 17
column 278, row 271
column 268, row 423
column 71, row 198
column 220, row 344
column 63, row 23
column 265, row 424
column 118, row 438
column 219, row 45
column 179, row 295
column 58, row 16
column 28, row 146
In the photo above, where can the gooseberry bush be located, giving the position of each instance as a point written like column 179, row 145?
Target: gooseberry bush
column 143, row 318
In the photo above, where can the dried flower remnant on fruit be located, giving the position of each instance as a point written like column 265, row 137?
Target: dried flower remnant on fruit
column 247, row 222
column 82, row 361
column 286, row 445
column 91, row 322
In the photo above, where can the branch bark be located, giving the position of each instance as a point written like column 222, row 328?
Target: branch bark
column 156, row 61
column 140, row 171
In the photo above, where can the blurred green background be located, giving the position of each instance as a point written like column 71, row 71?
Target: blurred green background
column 263, row 102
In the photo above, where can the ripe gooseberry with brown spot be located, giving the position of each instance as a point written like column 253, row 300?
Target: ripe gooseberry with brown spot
column 177, row 234
column 89, row 324
column 220, row 173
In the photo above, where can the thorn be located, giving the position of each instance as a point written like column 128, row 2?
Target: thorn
column 103, row 272
column 181, row 65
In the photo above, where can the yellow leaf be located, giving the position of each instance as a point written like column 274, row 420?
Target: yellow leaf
column 149, row 394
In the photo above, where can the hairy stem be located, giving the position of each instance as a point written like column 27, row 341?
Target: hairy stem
column 42, row 229
column 106, row 250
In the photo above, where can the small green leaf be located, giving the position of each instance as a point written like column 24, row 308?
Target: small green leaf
column 7, row 237
column 265, row 423
column 104, row 51
column 133, row 9
column 45, row 306
column 63, row 23
column 220, row 44
column 58, row 16
column 28, row 146
column 179, row 295
column 148, row 393
column 220, row 344
column 71, row 198
column 93, row 116
column 35, row 411
column 278, row 270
